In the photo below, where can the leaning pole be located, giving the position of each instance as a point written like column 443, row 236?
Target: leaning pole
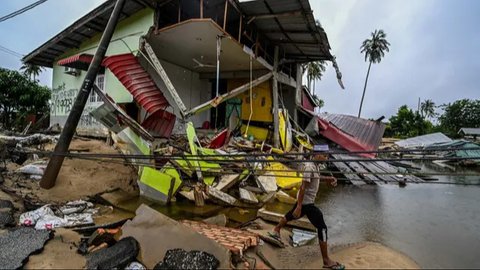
column 56, row 160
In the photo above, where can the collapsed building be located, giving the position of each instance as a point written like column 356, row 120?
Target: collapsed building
column 171, row 61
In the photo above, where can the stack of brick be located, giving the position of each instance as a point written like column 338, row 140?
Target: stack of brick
column 237, row 241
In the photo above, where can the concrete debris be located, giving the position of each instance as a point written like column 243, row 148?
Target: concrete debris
column 247, row 196
column 267, row 182
column 274, row 217
column 220, row 197
column 156, row 233
column 220, row 220
column 237, row 241
column 302, row 238
column 18, row 244
column 116, row 256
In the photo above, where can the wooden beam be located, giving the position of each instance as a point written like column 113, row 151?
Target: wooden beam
column 201, row 9
column 161, row 71
column 241, row 74
column 82, row 34
column 274, row 15
column 225, row 15
column 235, row 92
column 285, row 41
column 298, row 90
column 276, row 135
column 285, row 79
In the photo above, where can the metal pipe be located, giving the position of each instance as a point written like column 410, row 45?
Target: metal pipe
column 53, row 168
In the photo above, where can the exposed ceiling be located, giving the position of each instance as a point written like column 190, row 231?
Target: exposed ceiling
column 192, row 42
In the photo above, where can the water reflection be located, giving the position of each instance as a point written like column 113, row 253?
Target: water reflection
column 436, row 225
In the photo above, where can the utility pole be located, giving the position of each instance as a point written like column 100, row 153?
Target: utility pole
column 56, row 160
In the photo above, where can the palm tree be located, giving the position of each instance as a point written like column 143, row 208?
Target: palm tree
column 31, row 70
column 314, row 72
column 427, row 108
column 374, row 50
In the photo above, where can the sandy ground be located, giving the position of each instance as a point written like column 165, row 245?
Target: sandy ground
column 59, row 253
column 370, row 255
column 79, row 178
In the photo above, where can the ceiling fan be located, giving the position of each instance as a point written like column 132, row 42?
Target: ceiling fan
column 201, row 65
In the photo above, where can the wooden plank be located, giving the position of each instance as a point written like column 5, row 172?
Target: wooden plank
column 391, row 169
column 355, row 179
column 302, row 223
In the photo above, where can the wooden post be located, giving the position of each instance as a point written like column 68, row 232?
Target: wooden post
column 240, row 29
column 198, row 194
column 61, row 149
column 298, row 91
column 276, row 135
column 201, row 9
column 225, row 15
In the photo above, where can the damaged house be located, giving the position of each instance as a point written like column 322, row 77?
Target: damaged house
column 217, row 63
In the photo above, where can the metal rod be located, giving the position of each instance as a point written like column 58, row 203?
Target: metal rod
column 53, row 168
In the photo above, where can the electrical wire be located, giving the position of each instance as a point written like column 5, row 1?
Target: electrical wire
column 22, row 10
column 11, row 52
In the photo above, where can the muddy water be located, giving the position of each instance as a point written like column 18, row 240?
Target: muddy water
column 436, row 225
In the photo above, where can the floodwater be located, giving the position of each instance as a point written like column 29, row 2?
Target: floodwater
column 437, row 225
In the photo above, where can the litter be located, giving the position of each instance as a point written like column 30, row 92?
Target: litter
column 301, row 238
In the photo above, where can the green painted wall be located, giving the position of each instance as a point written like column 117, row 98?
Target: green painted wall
column 65, row 87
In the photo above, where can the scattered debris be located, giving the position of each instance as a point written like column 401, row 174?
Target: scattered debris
column 19, row 243
column 48, row 217
column 302, row 238
column 6, row 214
column 156, row 233
column 116, row 256
column 303, row 222
column 181, row 259
column 237, row 241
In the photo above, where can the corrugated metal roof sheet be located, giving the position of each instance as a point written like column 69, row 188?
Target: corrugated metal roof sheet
column 424, row 140
column 470, row 131
column 293, row 27
column 367, row 132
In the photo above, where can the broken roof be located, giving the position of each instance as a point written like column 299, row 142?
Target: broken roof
column 290, row 24
column 424, row 140
column 287, row 23
column 367, row 132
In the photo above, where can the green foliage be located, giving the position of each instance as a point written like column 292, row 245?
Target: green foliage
column 407, row 123
column 427, row 109
column 20, row 96
column 375, row 47
column 319, row 102
column 461, row 113
column 374, row 50
column 31, row 71
column 315, row 72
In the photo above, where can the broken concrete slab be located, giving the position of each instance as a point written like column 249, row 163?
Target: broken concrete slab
column 283, row 197
column 220, row 220
column 220, row 196
column 267, row 182
column 116, row 256
column 18, row 244
column 302, row 223
column 181, row 259
column 157, row 233
column 227, row 181
column 247, row 196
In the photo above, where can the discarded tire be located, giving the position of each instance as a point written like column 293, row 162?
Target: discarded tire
column 181, row 259
column 116, row 256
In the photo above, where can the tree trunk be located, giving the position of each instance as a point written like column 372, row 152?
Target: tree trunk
column 364, row 89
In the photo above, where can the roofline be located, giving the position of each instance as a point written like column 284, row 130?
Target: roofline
column 74, row 26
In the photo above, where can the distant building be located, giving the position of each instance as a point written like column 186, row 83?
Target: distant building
column 470, row 133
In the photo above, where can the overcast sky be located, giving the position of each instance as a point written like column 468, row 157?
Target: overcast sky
column 434, row 52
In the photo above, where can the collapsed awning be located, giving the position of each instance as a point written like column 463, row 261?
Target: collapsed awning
column 78, row 61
